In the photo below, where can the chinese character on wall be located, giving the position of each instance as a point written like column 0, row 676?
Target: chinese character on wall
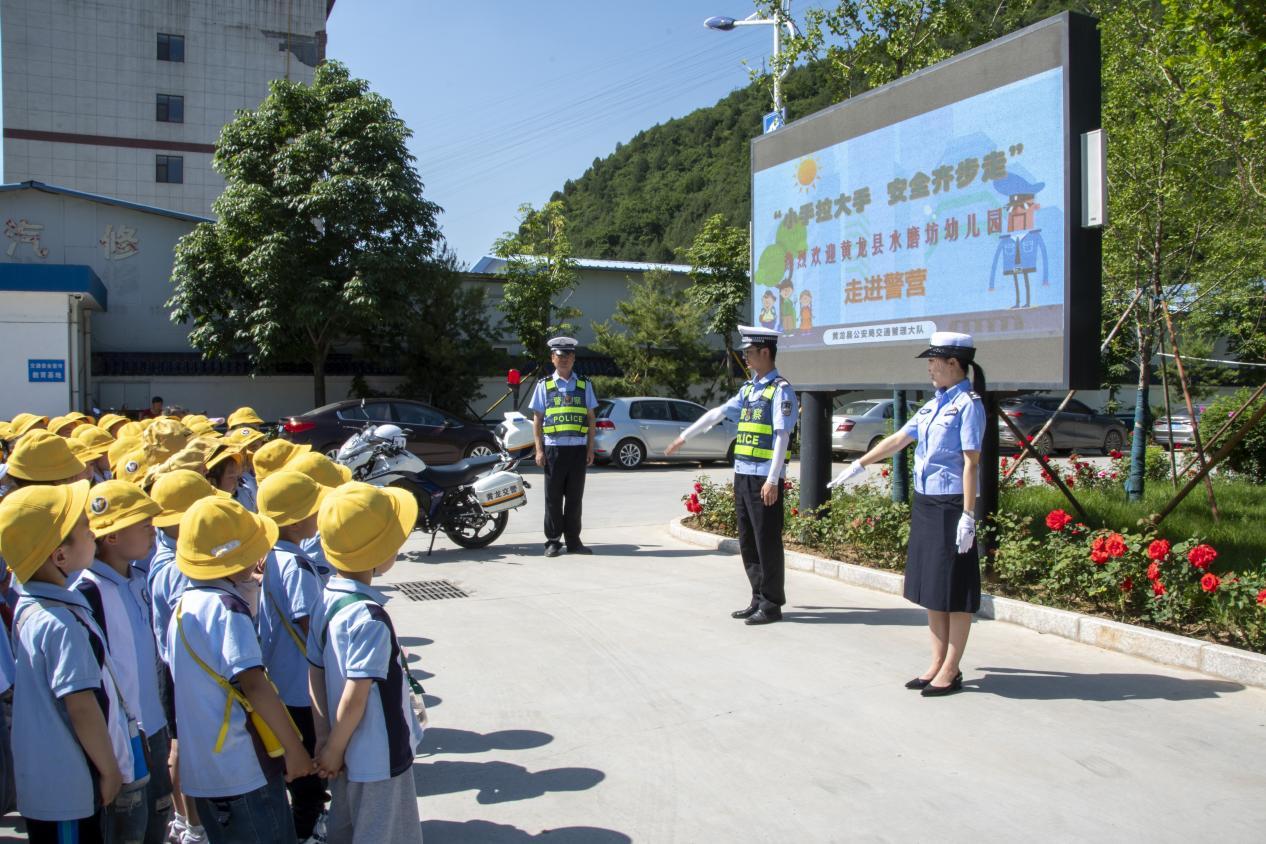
column 119, row 244
column 23, row 232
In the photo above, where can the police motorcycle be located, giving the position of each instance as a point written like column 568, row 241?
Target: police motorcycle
column 470, row 501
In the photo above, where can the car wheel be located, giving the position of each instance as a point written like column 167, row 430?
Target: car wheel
column 729, row 453
column 1113, row 442
column 1044, row 445
column 629, row 454
column 479, row 450
column 331, row 450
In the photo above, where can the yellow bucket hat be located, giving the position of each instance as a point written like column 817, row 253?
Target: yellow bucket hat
column 24, row 422
column 244, row 436
column 132, row 466
column 34, row 520
column 109, row 420
column 321, row 469
column 44, row 457
column 95, row 439
column 287, row 497
column 82, row 417
column 244, row 416
column 164, row 438
column 362, row 526
column 120, row 447
column 222, row 452
column 200, row 427
column 130, row 429
column 6, row 430
column 274, row 455
column 219, row 538
column 115, row 505
column 63, row 425
column 175, row 492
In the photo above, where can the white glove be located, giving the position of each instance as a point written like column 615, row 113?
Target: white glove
column 966, row 536
column 854, row 469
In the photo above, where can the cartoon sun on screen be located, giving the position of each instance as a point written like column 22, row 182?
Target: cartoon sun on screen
column 807, row 173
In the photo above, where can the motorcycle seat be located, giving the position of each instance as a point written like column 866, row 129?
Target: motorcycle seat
column 460, row 473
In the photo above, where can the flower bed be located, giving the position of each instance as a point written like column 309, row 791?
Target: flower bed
column 1142, row 576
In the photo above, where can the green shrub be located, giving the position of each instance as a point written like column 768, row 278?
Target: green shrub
column 1248, row 458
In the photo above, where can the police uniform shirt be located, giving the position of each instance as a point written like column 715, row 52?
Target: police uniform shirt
column 568, row 387
column 120, row 606
column 360, row 644
column 291, row 590
column 952, row 422
column 785, row 413
column 217, row 623
column 55, row 656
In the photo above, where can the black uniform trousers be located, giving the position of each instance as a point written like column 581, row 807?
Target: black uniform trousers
column 564, row 491
column 760, row 541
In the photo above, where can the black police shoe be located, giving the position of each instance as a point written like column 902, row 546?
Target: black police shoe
column 747, row 612
column 579, row 549
column 764, row 617
column 552, row 550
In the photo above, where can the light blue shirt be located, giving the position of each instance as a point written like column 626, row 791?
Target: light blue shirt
column 125, row 620
column 217, row 622
column 313, row 550
column 291, row 587
column 786, row 412
column 166, row 584
column 360, row 645
column 566, row 386
column 952, row 422
column 55, row 657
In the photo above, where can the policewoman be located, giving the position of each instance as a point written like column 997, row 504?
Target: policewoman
column 563, row 424
column 767, row 410
column 942, row 566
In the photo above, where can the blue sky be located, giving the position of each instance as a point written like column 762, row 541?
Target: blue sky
column 509, row 99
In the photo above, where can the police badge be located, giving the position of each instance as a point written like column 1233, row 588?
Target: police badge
column 786, row 408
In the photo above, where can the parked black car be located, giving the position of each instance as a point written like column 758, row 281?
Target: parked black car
column 435, row 436
column 1076, row 427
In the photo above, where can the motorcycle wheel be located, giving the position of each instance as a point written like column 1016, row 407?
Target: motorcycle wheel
column 483, row 536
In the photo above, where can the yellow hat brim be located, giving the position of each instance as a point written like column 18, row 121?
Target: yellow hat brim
column 171, row 518
column 239, row 559
column 146, row 510
column 388, row 543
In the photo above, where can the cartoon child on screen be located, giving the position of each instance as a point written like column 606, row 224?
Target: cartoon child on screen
column 1019, row 246
column 768, row 311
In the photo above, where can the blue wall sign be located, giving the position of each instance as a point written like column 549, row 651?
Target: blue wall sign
column 45, row 370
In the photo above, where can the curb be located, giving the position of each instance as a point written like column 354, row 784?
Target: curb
column 1234, row 664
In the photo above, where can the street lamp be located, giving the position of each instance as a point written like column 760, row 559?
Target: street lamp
column 781, row 18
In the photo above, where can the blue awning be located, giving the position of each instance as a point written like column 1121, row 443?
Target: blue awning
column 54, row 278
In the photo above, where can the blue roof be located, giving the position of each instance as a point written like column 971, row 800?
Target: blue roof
column 53, row 278
column 106, row 200
column 491, row 264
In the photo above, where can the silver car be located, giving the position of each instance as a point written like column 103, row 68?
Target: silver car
column 858, row 426
column 1174, row 430
column 630, row 431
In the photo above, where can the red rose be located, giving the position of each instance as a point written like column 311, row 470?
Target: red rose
column 694, row 499
column 1070, row 482
column 1127, row 584
column 1158, row 588
column 795, row 511
column 786, row 484
column 1115, row 454
column 1158, row 550
column 883, row 473
column 1261, row 597
column 1210, row 582
column 1202, row 556
column 1153, row 572
column 1099, row 557
column 1046, row 476
column 1019, row 482
column 1057, row 520
column 1115, row 545
column 698, row 487
column 1004, row 463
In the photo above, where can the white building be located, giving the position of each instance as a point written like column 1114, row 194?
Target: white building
column 126, row 98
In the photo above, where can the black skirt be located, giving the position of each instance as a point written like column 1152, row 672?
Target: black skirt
column 937, row 576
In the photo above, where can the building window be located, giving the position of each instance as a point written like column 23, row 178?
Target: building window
column 171, row 108
column 170, row 169
column 171, row 48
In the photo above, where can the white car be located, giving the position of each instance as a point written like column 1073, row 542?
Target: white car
column 630, row 431
column 859, row 425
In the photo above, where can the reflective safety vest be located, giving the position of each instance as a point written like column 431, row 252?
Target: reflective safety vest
column 756, row 422
column 565, row 413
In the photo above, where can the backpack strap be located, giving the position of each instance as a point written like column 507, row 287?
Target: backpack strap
column 354, row 598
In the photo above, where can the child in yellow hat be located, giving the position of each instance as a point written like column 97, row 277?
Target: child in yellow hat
column 289, row 594
column 224, row 694
column 121, row 517
column 357, row 670
column 244, row 416
column 329, row 474
column 41, row 457
column 249, row 440
column 93, row 447
column 71, row 754
column 111, row 423
column 273, row 456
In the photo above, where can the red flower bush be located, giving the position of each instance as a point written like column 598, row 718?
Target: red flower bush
column 1202, row 556
column 884, row 473
column 1261, row 597
column 1115, row 545
column 1210, row 582
column 1127, row 584
column 1158, row 550
column 1099, row 551
column 1057, row 520
column 1153, row 571
column 698, row 487
column 1115, row 454
column 1158, row 588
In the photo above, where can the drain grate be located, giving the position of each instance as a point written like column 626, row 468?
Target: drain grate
column 430, row 590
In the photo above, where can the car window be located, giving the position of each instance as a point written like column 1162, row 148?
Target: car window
column 888, row 411
column 1075, row 406
column 376, row 411
column 857, row 408
column 604, row 409
column 417, row 414
column 653, row 410
column 684, row 411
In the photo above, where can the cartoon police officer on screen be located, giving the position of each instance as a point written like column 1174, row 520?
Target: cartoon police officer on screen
column 1019, row 246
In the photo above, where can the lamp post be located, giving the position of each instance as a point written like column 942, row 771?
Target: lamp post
column 781, row 18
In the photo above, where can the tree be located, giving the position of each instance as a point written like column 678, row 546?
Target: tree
column 719, row 260
column 656, row 339
column 539, row 273
column 322, row 229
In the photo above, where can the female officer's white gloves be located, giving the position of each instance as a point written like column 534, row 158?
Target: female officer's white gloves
column 966, row 532
column 854, row 469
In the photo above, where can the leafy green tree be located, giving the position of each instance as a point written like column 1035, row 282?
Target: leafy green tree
column 539, row 273
column 656, row 338
column 322, row 229
column 719, row 259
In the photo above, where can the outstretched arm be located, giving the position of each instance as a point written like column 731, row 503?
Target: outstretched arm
column 701, row 424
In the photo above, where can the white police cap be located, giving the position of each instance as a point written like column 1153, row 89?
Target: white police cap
column 950, row 344
column 562, row 344
column 758, row 336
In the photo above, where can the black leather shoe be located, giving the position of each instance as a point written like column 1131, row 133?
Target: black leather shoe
column 918, row 683
column 763, row 617
column 579, row 549
column 745, row 613
column 553, row 550
column 939, row 691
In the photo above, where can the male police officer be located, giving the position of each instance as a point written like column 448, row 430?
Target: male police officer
column 563, row 425
column 768, row 412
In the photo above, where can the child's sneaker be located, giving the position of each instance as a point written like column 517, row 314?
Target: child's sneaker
column 318, row 830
